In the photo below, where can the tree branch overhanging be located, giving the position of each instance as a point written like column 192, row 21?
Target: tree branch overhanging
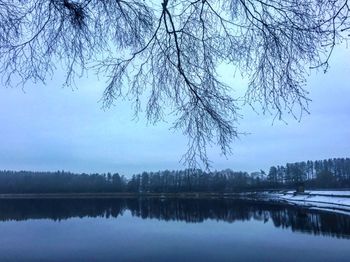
column 171, row 52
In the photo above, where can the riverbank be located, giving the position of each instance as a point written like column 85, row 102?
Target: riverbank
column 122, row 195
column 335, row 201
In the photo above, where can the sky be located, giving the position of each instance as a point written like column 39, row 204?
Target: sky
column 50, row 128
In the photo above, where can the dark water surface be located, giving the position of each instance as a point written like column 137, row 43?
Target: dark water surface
column 168, row 230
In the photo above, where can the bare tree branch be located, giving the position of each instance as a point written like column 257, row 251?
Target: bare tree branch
column 170, row 53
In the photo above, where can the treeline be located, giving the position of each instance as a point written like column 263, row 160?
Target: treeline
column 331, row 173
column 328, row 173
column 60, row 182
column 192, row 181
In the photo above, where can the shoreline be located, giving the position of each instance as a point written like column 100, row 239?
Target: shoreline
column 119, row 195
column 330, row 201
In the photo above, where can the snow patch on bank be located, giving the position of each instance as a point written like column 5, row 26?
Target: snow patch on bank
column 329, row 193
column 326, row 200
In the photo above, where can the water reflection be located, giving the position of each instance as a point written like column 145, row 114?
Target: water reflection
column 187, row 210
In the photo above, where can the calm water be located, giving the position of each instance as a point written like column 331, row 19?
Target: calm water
column 168, row 230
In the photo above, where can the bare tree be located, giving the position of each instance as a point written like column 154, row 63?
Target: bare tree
column 170, row 51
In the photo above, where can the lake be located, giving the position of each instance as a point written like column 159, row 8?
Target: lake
column 153, row 229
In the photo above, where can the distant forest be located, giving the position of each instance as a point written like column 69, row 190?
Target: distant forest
column 322, row 174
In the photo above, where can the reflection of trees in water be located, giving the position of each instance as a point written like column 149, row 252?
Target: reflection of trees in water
column 188, row 210
column 59, row 209
column 317, row 223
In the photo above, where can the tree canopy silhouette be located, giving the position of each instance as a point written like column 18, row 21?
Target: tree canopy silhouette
column 169, row 53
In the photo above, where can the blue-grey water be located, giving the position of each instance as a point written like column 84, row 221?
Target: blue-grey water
column 168, row 230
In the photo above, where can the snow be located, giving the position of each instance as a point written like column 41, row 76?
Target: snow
column 326, row 200
column 331, row 193
column 324, row 192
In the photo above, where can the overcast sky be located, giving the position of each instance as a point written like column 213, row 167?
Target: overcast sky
column 46, row 127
